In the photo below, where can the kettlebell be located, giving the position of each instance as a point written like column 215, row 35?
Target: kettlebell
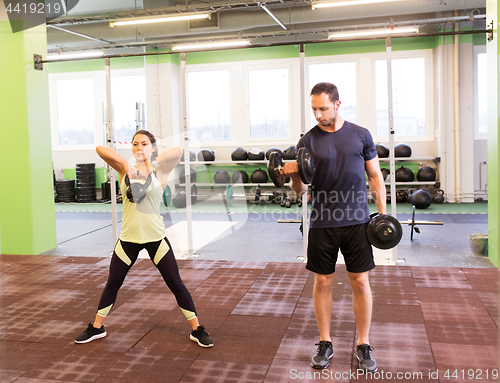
column 136, row 191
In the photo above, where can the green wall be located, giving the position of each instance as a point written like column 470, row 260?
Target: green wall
column 492, row 49
column 27, row 213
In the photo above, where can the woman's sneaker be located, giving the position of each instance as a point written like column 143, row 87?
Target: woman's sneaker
column 201, row 337
column 321, row 359
column 90, row 334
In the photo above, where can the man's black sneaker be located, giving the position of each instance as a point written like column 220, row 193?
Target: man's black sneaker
column 90, row 334
column 365, row 357
column 323, row 354
column 201, row 337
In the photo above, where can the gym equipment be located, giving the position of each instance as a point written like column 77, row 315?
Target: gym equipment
column 273, row 149
column 182, row 175
column 382, row 150
column 65, row 190
column 401, row 196
column 256, row 154
column 426, row 173
column 239, row 176
column 404, row 175
column 385, row 173
column 421, row 199
column 384, row 231
column 221, row 177
column 206, row 155
column 402, row 150
column 259, row 176
column 279, row 171
column 136, row 191
column 192, row 155
column 179, row 198
column 85, row 182
column 438, row 196
column 290, row 153
column 413, row 223
column 239, row 154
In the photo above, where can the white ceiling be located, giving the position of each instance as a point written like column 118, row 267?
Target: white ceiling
column 242, row 19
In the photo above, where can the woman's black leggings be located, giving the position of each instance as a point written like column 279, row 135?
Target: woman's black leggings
column 160, row 252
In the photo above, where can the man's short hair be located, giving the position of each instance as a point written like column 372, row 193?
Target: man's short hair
column 325, row 87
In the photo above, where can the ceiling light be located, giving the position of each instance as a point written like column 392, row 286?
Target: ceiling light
column 209, row 45
column 346, row 2
column 372, row 32
column 75, row 55
column 159, row 19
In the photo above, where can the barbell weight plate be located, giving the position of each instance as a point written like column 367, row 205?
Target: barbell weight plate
column 384, row 231
column 306, row 165
column 274, row 166
column 229, row 195
column 167, row 196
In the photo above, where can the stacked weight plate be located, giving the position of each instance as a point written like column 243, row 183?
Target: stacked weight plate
column 65, row 190
column 85, row 182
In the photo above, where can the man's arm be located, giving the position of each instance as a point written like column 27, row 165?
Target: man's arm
column 377, row 185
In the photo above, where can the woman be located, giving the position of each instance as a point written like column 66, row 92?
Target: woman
column 143, row 228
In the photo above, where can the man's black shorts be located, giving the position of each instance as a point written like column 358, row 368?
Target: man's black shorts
column 324, row 244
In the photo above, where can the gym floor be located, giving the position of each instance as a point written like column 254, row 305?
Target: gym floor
column 435, row 315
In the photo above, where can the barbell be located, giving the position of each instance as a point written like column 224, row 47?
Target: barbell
column 278, row 171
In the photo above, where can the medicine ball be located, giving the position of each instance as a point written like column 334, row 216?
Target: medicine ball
column 259, row 176
column 385, row 173
column 400, row 195
column 182, row 175
column 439, row 196
column 382, row 150
column 192, row 155
column 402, row 150
column 221, row 177
column 290, row 153
column 421, row 199
column 404, row 175
column 239, row 154
column 206, row 155
column 426, row 173
column 273, row 149
column 240, row 176
column 256, row 154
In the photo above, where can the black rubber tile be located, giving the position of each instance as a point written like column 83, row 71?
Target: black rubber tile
column 8, row 376
column 150, row 366
column 208, row 371
column 397, row 314
column 452, row 313
column 241, row 350
column 475, row 357
column 288, row 371
column 273, row 305
column 463, row 333
column 445, row 295
column 253, row 326
column 398, row 334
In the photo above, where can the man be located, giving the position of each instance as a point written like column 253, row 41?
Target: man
column 343, row 152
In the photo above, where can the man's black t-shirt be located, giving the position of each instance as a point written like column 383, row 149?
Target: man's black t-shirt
column 339, row 196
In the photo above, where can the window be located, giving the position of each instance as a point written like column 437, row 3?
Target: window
column 481, row 96
column 268, row 103
column 408, row 95
column 208, row 99
column 75, row 111
column 343, row 75
column 126, row 92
